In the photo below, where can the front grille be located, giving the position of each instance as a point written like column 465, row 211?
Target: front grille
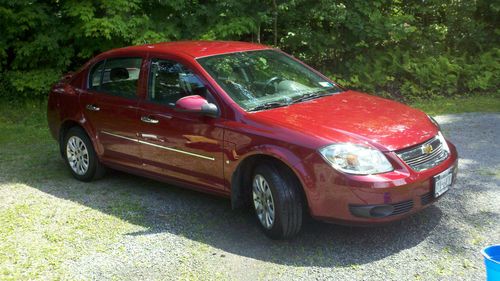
column 426, row 198
column 402, row 207
column 421, row 157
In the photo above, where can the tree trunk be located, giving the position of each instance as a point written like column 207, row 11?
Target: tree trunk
column 258, row 34
column 275, row 23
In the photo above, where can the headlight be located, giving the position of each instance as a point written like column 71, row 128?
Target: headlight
column 356, row 159
column 443, row 142
column 434, row 121
column 441, row 134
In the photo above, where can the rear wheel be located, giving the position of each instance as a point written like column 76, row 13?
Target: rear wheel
column 277, row 200
column 80, row 155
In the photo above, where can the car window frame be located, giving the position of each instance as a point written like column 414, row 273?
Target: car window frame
column 109, row 93
column 152, row 57
column 90, row 72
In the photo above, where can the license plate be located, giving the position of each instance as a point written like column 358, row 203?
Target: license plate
column 442, row 182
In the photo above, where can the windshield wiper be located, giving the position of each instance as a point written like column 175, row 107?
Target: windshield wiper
column 268, row 105
column 310, row 96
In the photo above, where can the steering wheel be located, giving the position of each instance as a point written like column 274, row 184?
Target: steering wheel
column 271, row 82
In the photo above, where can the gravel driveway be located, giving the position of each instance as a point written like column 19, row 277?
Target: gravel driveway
column 154, row 231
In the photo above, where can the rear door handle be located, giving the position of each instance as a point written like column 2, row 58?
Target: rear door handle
column 147, row 119
column 92, row 107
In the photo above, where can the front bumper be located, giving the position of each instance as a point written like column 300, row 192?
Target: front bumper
column 373, row 199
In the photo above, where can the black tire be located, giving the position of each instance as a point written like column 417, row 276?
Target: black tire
column 95, row 170
column 287, row 197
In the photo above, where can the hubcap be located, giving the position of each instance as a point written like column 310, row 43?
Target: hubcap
column 78, row 155
column 263, row 201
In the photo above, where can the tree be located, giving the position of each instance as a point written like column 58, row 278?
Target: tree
column 401, row 48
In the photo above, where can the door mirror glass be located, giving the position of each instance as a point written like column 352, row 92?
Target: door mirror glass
column 196, row 104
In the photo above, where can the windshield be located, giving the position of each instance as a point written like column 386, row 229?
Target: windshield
column 259, row 80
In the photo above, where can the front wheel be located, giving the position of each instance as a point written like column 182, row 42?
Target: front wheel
column 80, row 156
column 277, row 201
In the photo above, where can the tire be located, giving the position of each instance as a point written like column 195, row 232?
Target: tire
column 286, row 198
column 80, row 156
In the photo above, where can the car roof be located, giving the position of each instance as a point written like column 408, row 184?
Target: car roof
column 195, row 49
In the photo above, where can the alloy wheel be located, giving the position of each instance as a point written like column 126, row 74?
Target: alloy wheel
column 78, row 155
column 263, row 201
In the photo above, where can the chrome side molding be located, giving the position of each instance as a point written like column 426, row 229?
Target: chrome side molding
column 160, row 146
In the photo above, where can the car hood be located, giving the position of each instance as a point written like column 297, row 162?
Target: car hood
column 354, row 117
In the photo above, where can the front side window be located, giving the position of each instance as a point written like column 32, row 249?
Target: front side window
column 170, row 81
column 263, row 79
column 116, row 77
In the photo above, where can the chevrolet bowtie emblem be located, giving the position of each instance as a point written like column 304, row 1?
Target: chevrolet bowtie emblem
column 427, row 149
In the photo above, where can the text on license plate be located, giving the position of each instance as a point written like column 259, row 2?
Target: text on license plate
column 442, row 182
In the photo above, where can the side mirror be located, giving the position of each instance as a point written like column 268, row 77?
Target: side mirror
column 196, row 104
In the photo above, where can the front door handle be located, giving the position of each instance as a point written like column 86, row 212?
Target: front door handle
column 92, row 107
column 147, row 119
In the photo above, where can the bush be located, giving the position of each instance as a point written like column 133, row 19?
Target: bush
column 409, row 78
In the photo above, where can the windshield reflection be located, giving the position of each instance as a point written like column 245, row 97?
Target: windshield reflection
column 258, row 80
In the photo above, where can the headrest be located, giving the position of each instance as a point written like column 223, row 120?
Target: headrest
column 118, row 73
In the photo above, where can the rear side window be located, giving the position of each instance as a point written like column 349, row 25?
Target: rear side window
column 95, row 75
column 116, row 77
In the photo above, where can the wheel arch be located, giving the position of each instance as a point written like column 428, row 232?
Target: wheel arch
column 242, row 175
column 66, row 125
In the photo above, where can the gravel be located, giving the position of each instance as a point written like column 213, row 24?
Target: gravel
column 181, row 234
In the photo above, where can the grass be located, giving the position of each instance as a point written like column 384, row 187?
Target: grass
column 49, row 222
column 40, row 231
column 47, row 219
column 441, row 105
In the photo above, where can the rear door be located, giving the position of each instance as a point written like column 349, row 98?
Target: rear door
column 110, row 106
column 182, row 145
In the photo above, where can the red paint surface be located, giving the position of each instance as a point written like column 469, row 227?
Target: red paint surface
column 291, row 134
column 354, row 117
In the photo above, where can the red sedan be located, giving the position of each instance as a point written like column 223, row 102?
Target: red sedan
column 254, row 124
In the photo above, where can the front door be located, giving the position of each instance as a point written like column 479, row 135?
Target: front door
column 181, row 145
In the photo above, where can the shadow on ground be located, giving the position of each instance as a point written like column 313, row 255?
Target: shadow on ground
column 208, row 219
column 161, row 208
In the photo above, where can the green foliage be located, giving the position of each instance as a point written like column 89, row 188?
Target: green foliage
column 402, row 75
column 446, row 105
column 32, row 81
column 403, row 49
